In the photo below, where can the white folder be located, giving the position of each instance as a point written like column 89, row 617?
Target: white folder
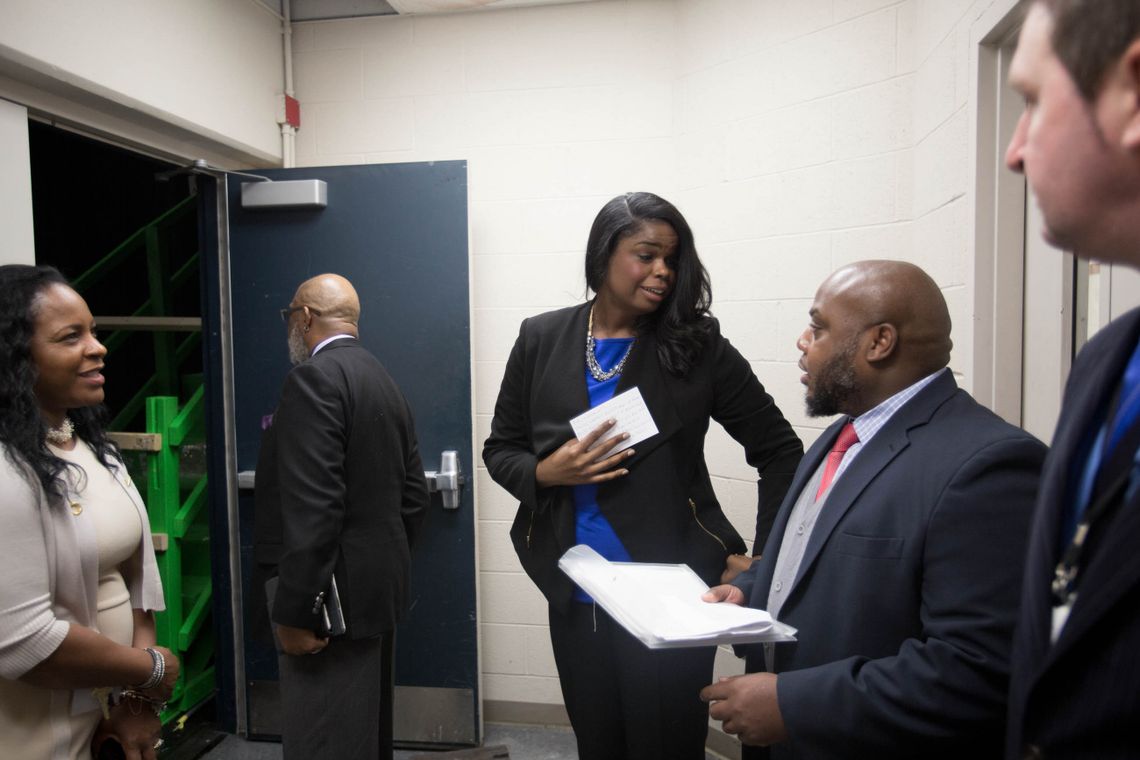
column 661, row 604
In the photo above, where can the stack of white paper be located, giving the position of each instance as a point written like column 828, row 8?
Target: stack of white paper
column 661, row 604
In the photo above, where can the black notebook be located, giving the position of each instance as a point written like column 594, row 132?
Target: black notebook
column 331, row 614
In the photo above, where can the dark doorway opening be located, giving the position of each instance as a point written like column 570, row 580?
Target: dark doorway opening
column 88, row 197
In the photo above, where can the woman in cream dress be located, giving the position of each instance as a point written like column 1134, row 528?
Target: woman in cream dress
column 77, row 641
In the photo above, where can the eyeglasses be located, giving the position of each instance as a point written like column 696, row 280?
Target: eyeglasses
column 288, row 311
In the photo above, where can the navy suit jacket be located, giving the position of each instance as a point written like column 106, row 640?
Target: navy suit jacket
column 340, row 486
column 906, row 597
column 1081, row 697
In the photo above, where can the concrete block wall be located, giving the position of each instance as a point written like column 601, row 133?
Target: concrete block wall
column 795, row 135
column 812, row 105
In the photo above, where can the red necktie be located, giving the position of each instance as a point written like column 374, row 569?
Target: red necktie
column 847, row 438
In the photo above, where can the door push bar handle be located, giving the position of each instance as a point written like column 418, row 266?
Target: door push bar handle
column 448, row 480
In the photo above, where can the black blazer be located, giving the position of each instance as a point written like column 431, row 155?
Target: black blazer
column 665, row 509
column 907, row 594
column 340, row 486
column 1080, row 698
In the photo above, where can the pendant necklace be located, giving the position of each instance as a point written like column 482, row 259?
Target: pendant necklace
column 596, row 370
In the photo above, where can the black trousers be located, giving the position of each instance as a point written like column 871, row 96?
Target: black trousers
column 626, row 701
column 338, row 703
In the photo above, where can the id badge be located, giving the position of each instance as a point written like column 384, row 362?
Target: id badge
column 1060, row 616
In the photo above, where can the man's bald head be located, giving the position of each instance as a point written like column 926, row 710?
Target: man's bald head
column 877, row 327
column 900, row 294
column 326, row 305
column 332, row 296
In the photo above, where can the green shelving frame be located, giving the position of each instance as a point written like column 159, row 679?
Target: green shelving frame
column 179, row 522
column 175, row 495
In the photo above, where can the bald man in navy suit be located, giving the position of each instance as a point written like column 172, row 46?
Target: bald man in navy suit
column 898, row 551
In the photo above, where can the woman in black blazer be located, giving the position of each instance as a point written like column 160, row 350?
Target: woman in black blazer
column 648, row 327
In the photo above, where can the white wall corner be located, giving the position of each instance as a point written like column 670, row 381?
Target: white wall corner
column 17, row 244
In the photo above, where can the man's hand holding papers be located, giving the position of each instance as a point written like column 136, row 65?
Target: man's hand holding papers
column 746, row 705
column 724, row 593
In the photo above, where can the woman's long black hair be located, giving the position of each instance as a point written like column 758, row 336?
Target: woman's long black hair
column 23, row 430
column 679, row 322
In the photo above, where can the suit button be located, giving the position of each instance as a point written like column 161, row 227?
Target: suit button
column 778, row 586
column 1032, row 752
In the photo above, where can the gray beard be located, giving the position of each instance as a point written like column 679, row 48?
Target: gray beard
column 298, row 351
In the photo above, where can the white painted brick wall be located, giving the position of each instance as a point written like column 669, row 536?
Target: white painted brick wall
column 796, row 136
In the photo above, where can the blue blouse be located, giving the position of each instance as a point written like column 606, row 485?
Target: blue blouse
column 591, row 526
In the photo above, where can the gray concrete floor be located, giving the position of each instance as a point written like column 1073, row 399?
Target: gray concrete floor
column 524, row 743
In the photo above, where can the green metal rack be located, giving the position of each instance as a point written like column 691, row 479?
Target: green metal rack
column 179, row 522
column 175, row 493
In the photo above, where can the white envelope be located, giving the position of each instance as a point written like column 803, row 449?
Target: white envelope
column 631, row 414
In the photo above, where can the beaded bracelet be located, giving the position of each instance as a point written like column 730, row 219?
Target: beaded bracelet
column 158, row 670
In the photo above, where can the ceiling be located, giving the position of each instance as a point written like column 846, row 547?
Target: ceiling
column 315, row 10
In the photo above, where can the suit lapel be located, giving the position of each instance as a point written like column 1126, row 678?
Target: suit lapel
column 1083, row 407
column 1080, row 410
column 567, row 362
column 807, row 467
column 644, row 372
column 884, row 447
column 872, row 459
column 559, row 384
column 1114, row 566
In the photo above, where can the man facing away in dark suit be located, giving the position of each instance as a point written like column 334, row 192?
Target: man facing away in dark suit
column 898, row 551
column 1075, row 685
column 340, row 489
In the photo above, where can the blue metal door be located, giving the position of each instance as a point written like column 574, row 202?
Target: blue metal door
column 399, row 233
